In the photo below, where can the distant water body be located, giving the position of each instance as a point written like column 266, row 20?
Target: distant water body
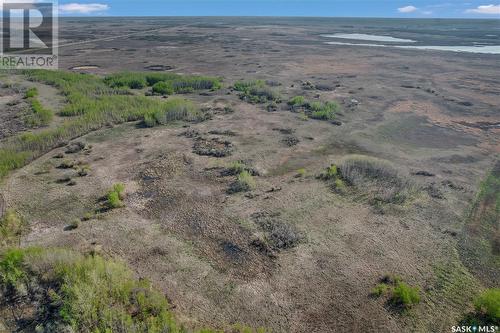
column 477, row 47
column 373, row 38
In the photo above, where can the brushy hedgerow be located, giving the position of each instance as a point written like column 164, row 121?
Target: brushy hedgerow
column 90, row 105
column 70, row 292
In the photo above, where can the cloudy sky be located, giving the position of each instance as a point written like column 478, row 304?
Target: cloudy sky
column 350, row 8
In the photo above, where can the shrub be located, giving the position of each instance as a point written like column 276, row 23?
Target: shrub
column 405, row 295
column 376, row 177
column 237, row 167
column 115, row 196
column 297, row 101
column 301, row 172
column 31, row 92
column 488, row 304
column 283, row 236
column 244, row 183
column 380, row 289
column 323, row 111
column 163, row 88
column 256, row 91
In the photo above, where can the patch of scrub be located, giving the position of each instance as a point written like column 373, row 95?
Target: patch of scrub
column 373, row 38
column 416, row 131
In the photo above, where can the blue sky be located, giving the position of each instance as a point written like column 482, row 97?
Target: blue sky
column 350, row 8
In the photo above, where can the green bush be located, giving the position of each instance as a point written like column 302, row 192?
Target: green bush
column 115, row 196
column 405, row 295
column 297, row 101
column 380, row 289
column 488, row 304
column 163, row 88
column 323, row 111
column 31, row 92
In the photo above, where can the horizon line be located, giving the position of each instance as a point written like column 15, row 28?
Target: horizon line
column 283, row 16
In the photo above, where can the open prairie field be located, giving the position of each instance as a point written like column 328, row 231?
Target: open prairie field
column 258, row 177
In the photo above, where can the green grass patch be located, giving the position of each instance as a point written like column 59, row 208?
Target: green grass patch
column 405, row 295
column 12, row 226
column 39, row 115
column 315, row 110
column 175, row 83
column 323, row 111
column 31, row 93
column 257, row 91
column 174, row 109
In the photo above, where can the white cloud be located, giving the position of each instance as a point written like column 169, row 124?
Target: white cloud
column 82, row 8
column 486, row 9
column 407, row 9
